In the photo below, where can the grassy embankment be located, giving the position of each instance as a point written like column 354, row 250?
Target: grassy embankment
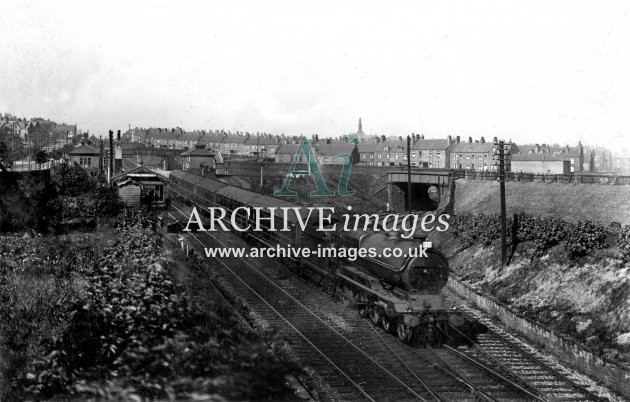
column 575, row 280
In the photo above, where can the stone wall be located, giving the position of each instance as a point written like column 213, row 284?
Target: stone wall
column 565, row 349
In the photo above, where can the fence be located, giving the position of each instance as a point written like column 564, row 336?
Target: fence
column 585, row 178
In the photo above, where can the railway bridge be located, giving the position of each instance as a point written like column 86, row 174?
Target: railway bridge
column 427, row 186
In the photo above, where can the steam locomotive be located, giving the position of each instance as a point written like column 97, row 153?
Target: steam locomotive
column 402, row 294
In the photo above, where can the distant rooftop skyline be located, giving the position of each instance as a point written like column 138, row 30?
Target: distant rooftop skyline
column 532, row 71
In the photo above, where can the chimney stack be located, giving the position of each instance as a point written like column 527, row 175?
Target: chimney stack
column 495, row 140
column 448, row 141
column 457, row 139
column 483, row 140
column 470, row 140
column 537, row 149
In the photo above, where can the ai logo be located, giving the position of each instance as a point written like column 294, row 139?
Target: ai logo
column 305, row 148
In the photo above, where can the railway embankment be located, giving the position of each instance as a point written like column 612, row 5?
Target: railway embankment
column 567, row 283
column 603, row 203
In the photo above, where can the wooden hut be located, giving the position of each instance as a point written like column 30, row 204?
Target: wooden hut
column 141, row 186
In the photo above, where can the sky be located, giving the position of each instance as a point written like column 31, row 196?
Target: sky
column 530, row 71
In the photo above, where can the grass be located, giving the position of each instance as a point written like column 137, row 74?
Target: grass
column 573, row 202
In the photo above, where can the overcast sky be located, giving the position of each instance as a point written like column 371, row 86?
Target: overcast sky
column 530, row 71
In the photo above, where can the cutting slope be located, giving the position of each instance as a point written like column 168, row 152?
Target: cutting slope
column 599, row 203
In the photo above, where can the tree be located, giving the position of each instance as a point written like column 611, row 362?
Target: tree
column 5, row 154
column 41, row 157
column 56, row 154
column 73, row 180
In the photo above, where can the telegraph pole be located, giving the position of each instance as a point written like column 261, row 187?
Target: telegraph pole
column 111, row 156
column 101, row 150
column 409, row 173
column 501, row 151
column 13, row 148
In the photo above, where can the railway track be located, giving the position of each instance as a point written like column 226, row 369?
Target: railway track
column 365, row 363
column 386, row 352
column 353, row 373
column 516, row 360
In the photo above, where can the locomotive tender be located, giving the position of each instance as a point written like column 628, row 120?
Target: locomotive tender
column 402, row 294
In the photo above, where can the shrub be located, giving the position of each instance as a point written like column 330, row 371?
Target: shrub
column 583, row 237
column 545, row 232
column 623, row 240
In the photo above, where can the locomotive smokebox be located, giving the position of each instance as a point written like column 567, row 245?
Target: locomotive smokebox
column 402, row 262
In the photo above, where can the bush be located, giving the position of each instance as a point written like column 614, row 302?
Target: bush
column 545, row 232
column 132, row 333
column 584, row 237
column 623, row 240
column 73, row 180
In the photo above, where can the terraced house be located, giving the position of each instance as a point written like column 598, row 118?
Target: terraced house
column 367, row 150
column 286, row 152
column 263, row 146
column 163, row 138
column 431, row 153
column 477, row 155
column 212, row 140
column 233, row 144
column 327, row 153
column 391, row 153
column 187, row 140
column 550, row 159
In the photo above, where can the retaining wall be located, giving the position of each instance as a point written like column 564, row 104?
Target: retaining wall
column 566, row 350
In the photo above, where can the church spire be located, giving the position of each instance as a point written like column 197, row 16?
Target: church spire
column 360, row 130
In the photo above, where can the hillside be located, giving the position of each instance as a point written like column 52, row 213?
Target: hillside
column 599, row 203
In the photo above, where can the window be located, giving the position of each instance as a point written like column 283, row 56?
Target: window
column 437, row 155
column 388, row 155
column 85, row 162
column 364, row 156
column 379, row 157
column 430, row 154
column 397, row 156
column 405, row 157
column 413, row 154
column 479, row 157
